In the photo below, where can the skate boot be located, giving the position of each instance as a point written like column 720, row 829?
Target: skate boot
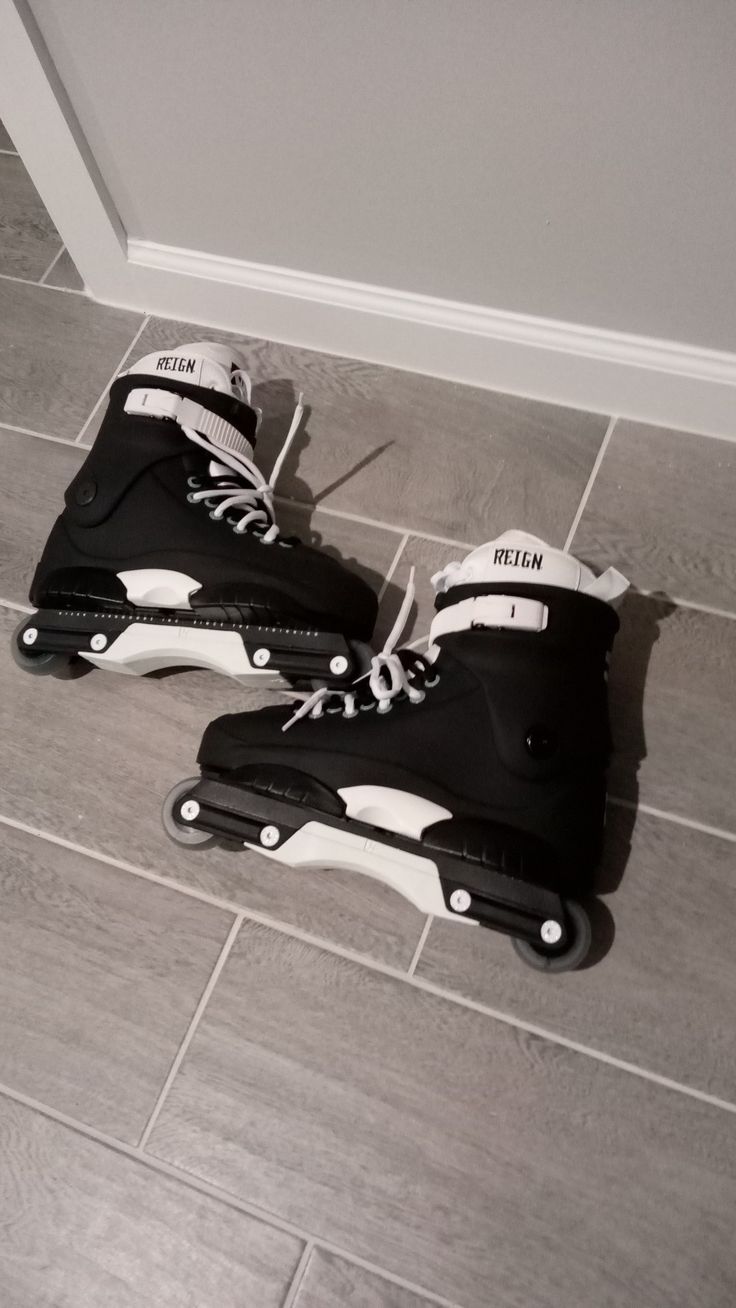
column 168, row 553
column 470, row 778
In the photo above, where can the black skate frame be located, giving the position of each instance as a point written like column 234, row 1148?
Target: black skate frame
column 513, row 905
column 297, row 654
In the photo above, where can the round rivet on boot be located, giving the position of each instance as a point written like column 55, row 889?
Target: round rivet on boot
column 339, row 665
column 98, row 642
column 86, row 492
column 541, row 741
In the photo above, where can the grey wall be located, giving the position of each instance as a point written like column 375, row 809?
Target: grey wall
column 568, row 158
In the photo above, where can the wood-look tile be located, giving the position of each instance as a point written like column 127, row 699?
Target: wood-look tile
column 92, row 759
column 426, row 557
column 673, row 709
column 664, row 995
column 57, row 353
column 663, row 510
column 482, row 1162
column 35, row 475
column 411, row 450
column 28, row 238
column 332, row 1282
column 85, row 1227
column 64, row 274
column 5, row 141
column 100, row 974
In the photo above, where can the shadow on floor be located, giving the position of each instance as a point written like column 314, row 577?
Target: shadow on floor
column 641, row 617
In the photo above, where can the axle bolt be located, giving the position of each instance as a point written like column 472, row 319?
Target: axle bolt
column 551, row 932
column 261, row 658
column 339, row 665
column 189, row 810
column 269, row 837
column 460, row 900
column 98, row 642
column 30, row 636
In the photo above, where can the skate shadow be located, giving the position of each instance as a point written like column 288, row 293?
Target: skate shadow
column 641, row 617
column 296, row 501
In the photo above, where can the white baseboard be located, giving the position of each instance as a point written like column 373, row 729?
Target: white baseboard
column 655, row 381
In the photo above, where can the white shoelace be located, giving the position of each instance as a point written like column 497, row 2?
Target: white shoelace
column 254, row 502
column 387, row 677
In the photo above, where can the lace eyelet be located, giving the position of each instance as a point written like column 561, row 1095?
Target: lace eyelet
column 210, row 504
column 385, row 706
column 354, row 714
column 195, row 483
column 434, row 682
column 416, row 698
column 337, row 709
column 214, row 514
column 366, row 708
column 192, row 498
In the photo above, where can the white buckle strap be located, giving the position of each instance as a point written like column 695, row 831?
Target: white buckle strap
column 508, row 611
column 151, row 403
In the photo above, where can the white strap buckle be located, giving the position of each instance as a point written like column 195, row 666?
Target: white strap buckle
column 151, row 403
column 507, row 611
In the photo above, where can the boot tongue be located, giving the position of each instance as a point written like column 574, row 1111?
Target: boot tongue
column 203, row 363
column 515, row 556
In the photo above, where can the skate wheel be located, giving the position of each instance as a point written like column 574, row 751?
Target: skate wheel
column 181, row 832
column 548, row 959
column 41, row 663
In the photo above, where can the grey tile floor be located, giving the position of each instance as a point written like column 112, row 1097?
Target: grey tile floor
column 223, row 1083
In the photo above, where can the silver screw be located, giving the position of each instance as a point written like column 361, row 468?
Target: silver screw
column 551, row 932
column 270, row 836
column 189, row 810
column 339, row 665
column 460, row 900
column 98, row 642
column 30, row 635
column 261, row 657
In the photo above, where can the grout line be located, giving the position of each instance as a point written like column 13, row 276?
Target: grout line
column 28, row 281
column 685, row 604
column 299, row 1275
column 13, row 152
column 189, row 1036
column 198, row 1184
column 589, row 484
column 395, row 973
column 13, row 604
column 119, row 369
column 51, row 266
column 42, row 436
column 375, row 522
column 691, row 823
column 420, row 945
column 392, row 566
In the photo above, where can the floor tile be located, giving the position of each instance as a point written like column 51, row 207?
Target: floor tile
column 673, row 708
column 5, row 141
column 412, row 450
column 663, row 510
column 664, row 995
column 487, row 1164
column 35, row 475
column 332, row 1282
column 426, row 557
column 363, row 549
column 28, row 238
column 131, row 739
column 64, row 274
column 57, row 353
column 100, row 974
column 85, row 1227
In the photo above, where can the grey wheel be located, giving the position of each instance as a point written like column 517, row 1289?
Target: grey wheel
column 181, row 832
column 40, row 663
column 548, row 959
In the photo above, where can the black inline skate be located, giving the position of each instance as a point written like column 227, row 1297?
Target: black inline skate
column 168, row 553
column 470, row 778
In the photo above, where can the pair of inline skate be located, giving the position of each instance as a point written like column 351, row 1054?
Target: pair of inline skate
column 469, row 776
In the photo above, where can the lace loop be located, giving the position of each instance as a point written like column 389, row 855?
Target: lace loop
column 391, row 674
